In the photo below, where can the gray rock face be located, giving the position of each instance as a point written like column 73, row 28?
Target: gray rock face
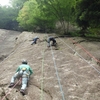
column 58, row 74
column 7, row 42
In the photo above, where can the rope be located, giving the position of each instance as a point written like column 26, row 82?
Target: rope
column 11, row 89
column 42, row 74
column 86, row 51
column 63, row 98
column 81, row 57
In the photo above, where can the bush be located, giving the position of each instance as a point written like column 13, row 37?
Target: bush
column 75, row 33
column 93, row 32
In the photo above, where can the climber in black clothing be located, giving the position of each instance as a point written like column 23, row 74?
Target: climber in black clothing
column 51, row 39
column 34, row 40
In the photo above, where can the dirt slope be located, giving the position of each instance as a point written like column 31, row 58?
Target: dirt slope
column 58, row 74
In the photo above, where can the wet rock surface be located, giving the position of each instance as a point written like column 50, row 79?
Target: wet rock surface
column 58, row 74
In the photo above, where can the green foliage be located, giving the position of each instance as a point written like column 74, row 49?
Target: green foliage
column 8, row 15
column 30, row 17
column 75, row 33
column 60, row 10
column 93, row 32
column 42, row 15
column 7, row 18
column 17, row 4
column 88, row 13
column 27, row 14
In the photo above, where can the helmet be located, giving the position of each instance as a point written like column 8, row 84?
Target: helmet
column 24, row 62
column 36, row 37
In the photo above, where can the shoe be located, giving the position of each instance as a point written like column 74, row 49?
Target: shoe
column 22, row 92
column 11, row 85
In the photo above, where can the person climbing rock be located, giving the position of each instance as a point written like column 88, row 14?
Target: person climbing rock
column 51, row 39
column 35, row 40
column 23, row 71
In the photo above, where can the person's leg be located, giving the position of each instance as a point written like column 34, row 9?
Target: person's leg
column 48, row 44
column 55, row 44
column 13, row 79
column 24, row 85
column 32, row 43
column 52, row 43
column 35, row 41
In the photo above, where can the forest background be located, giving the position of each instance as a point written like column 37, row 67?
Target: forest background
column 52, row 16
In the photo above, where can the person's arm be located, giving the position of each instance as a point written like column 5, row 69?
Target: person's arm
column 31, row 72
column 32, row 39
column 18, row 69
column 45, row 40
column 39, row 39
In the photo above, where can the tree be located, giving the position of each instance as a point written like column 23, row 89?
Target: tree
column 17, row 4
column 30, row 17
column 7, row 18
column 60, row 9
column 88, row 14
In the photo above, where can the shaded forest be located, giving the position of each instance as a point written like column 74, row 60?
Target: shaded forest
column 52, row 16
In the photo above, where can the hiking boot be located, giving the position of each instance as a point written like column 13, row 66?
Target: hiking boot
column 11, row 85
column 22, row 92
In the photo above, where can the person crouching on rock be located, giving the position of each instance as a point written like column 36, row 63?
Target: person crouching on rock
column 35, row 40
column 51, row 39
column 23, row 71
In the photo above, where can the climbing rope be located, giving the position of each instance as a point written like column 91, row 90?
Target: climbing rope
column 43, row 52
column 62, row 93
column 11, row 89
column 85, row 50
column 80, row 56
